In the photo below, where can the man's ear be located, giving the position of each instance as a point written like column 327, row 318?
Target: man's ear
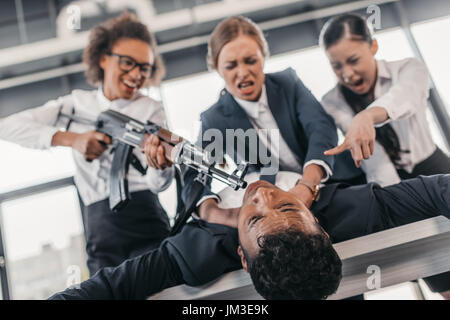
column 243, row 261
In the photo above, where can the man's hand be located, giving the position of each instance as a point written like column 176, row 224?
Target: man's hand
column 209, row 211
column 157, row 155
column 91, row 144
column 303, row 193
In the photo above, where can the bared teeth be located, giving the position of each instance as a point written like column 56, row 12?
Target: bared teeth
column 130, row 84
column 245, row 84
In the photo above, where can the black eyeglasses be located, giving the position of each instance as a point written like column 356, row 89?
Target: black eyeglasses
column 127, row 63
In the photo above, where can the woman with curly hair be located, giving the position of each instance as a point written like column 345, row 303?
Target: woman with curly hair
column 121, row 59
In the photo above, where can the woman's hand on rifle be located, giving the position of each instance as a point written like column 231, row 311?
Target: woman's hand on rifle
column 157, row 152
column 90, row 144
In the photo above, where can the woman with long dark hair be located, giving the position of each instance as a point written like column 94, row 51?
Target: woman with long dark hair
column 381, row 107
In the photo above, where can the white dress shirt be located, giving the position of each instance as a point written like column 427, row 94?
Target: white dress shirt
column 34, row 128
column 402, row 89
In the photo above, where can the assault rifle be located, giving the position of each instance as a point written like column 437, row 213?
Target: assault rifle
column 128, row 133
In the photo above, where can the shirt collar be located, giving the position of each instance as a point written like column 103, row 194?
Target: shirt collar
column 382, row 75
column 254, row 108
column 105, row 104
column 382, row 70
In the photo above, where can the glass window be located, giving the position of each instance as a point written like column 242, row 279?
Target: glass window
column 185, row 98
column 311, row 66
column 21, row 167
column 394, row 45
column 44, row 243
column 432, row 39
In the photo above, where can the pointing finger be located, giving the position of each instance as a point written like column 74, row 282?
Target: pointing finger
column 339, row 149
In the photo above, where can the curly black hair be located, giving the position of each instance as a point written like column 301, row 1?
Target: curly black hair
column 103, row 37
column 292, row 265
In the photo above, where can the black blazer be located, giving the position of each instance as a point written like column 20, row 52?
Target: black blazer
column 199, row 253
column 307, row 129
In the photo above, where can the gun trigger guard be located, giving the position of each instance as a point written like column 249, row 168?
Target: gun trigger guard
column 114, row 147
column 134, row 161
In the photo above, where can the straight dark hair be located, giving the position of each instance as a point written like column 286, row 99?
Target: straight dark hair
column 357, row 29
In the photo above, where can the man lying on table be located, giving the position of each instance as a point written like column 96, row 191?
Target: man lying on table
column 286, row 248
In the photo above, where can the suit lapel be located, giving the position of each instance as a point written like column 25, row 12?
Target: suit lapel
column 236, row 118
column 235, row 115
column 280, row 110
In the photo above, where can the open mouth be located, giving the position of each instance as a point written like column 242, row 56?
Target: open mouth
column 246, row 87
column 131, row 86
column 357, row 84
column 245, row 84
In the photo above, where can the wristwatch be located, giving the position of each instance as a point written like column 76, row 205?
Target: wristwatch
column 314, row 188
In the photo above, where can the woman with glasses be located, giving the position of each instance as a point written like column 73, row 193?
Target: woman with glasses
column 121, row 58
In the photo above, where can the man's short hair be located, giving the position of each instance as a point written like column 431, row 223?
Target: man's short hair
column 104, row 36
column 296, row 266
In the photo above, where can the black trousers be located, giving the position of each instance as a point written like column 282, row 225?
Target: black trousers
column 111, row 238
column 437, row 163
